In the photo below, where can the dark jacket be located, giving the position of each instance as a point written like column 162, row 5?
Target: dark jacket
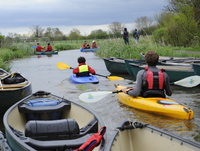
column 125, row 35
column 136, row 34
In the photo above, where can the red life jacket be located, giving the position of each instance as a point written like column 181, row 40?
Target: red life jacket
column 154, row 85
column 93, row 141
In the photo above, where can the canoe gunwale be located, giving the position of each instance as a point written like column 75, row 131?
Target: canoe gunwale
column 153, row 130
column 141, row 67
column 24, row 145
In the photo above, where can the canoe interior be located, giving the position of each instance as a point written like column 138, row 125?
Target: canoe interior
column 149, row 138
column 3, row 73
column 196, row 68
column 18, row 120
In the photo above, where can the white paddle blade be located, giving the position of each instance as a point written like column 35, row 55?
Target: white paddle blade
column 90, row 97
column 189, row 82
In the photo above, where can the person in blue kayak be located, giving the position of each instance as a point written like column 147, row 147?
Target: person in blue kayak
column 83, row 70
column 136, row 36
column 151, row 82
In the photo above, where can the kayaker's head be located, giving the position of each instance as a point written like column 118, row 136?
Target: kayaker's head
column 93, row 41
column 48, row 44
column 81, row 60
column 151, row 58
column 38, row 44
column 85, row 42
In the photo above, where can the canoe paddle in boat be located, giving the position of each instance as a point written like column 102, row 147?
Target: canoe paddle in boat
column 91, row 97
column 13, row 75
column 64, row 66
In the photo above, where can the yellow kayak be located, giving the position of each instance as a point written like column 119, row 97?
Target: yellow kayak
column 163, row 106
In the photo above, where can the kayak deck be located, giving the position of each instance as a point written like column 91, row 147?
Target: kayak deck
column 79, row 80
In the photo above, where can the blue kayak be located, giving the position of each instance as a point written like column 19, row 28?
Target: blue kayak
column 80, row 80
column 88, row 50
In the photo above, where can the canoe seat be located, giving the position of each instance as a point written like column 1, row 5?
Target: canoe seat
column 44, row 108
column 58, row 129
column 57, row 144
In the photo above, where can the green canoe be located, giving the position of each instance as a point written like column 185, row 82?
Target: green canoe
column 13, row 91
column 175, row 73
column 55, row 52
column 115, row 65
column 168, row 57
column 196, row 68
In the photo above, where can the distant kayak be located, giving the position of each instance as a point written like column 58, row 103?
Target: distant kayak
column 79, row 80
column 55, row 52
column 89, row 50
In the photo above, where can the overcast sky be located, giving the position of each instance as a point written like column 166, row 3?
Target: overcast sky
column 17, row 16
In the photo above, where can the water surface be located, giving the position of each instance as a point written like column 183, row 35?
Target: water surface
column 44, row 75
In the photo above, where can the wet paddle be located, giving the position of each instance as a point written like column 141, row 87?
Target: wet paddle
column 64, row 66
column 34, row 46
column 90, row 97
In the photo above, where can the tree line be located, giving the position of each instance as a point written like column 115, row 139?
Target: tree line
column 178, row 24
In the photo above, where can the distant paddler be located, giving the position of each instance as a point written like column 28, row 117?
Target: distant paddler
column 38, row 48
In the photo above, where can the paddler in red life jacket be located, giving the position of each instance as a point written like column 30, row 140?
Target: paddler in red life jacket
column 151, row 82
column 38, row 48
column 49, row 48
column 85, row 45
column 83, row 70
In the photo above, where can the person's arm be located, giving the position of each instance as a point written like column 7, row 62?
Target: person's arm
column 91, row 70
column 42, row 47
column 83, row 45
column 136, row 91
column 167, row 85
column 134, row 34
column 76, row 70
column 92, row 45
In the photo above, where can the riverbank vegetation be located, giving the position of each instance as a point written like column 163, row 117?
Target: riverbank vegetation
column 117, row 48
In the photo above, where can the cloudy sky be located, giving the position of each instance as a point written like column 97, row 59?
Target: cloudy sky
column 17, row 16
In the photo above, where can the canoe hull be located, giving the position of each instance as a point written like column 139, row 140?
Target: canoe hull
column 46, row 53
column 115, row 65
column 196, row 68
column 79, row 80
column 10, row 97
column 174, row 75
column 89, row 50
column 147, row 138
column 153, row 105
column 13, row 118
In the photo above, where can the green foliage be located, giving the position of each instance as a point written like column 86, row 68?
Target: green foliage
column 63, row 47
column 117, row 48
column 159, row 34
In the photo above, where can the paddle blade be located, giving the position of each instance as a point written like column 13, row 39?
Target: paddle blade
column 13, row 74
column 62, row 66
column 114, row 78
column 189, row 82
column 90, row 97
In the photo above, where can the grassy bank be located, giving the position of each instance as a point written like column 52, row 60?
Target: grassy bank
column 25, row 50
column 117, row 48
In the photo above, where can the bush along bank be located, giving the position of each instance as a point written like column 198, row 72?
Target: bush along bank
column 117, row 48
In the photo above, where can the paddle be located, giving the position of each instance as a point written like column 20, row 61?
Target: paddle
column 63, row 66
column 34, row 46
column 42, row 53
column 90, row 97
column 13, row 75
column 188, row 82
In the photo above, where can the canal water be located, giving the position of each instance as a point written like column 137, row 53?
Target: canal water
column 42, row 71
